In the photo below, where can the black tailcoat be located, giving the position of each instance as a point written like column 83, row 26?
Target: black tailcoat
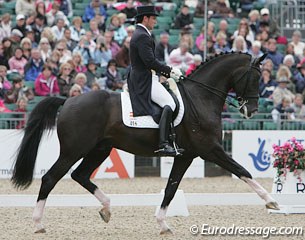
column 143, row 60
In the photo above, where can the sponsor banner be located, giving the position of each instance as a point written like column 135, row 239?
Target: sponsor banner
column 119, row 164
column 196, row 170
column 253, row 149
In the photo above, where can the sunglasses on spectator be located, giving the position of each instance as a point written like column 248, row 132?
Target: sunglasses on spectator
column 67, row 68
column 60, row 49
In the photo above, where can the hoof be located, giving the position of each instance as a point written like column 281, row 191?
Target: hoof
column 105, row 214
column 41, row 230
column 272, row 205
column 166, row 232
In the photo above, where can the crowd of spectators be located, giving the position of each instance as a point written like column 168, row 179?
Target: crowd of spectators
column 62, row 54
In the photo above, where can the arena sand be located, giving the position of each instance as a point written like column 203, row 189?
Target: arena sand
column 133, row 223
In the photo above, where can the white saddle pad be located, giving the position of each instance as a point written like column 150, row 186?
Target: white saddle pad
column 145, row 121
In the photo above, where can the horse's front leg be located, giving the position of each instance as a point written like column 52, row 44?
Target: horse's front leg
column 180, row 166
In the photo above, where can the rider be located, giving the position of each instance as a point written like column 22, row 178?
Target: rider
column 144, row 86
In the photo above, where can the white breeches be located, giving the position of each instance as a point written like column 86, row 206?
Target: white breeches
column 160, row 95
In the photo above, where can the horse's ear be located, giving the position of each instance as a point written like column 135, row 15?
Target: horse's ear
column 257, row 61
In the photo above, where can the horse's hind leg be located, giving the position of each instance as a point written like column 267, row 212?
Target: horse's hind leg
column 180, row 166
column 82, row 175
column 49, row 180
column 219, row 157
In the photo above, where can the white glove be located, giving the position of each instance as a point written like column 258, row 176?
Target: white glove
column 175, row 74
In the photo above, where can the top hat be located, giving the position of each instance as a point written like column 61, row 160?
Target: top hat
column 146, row 11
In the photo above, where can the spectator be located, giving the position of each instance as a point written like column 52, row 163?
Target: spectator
column 25, row 7
column 82, row 49
column 221, row 45
column 21, row 103
column 163, row 48
column 122, row 58
column 187, row 37
column 34, row 66
column 53, row 62
column 17, row 62
column 254, row 21
column 5, row 85
column 93, row 27
column 290, row 50
column 119, row 32
column 66, row 7
column 255, row 50
column 55, row 14
column 26, row 45
column 5, row 26
column 200, row 9
column 210, row 35
column 45, row 49
column 95, row 7
column 283, row 110
column 64, row 53
column 79, row 65
column 180, row 57
column 95, row 87
column 298, row 44
column 266, row 84
column 239, row 44
column 114, row 78
column 269, row 22
column 38, row 26
column 197, row 61
column 48, row 5
column 75, row 90
column 299, row 79
column 223, row 28
column 281, row 91
column 222, row 10
column 110, row 44
column 130, row 30
column 77, row 29
column 91, row 73
column 70, row 43
column 244, row 30
column 3, row 60
column 59, row 28
column 101, row 24
column 47, row 33
column 298, row 107
column 275, row 56
column 290, row 64
column 103, row 54
column 184, row 19
column 29, row 33
column 18, row 90
column 91, row 43
column 46, row 83
column 65, row 80
column 20, row 24
column 210, row 48
column 285, row 71
column 130, row 10
column 81, row 80
column 41, row 10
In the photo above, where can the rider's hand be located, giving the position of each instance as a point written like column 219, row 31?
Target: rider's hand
column 175, row 74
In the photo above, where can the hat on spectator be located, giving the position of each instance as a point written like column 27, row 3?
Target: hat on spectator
column 283, row 79
column 17, row 32
column 91, row 61
column 265, row 11
column 146, row 11
column 20, row 16
column 16, row 78
column 289, row 57
column 197, row 58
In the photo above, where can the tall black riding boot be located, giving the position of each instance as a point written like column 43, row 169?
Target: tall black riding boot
column 165, row 149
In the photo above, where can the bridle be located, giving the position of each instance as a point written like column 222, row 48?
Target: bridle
column 223, row 95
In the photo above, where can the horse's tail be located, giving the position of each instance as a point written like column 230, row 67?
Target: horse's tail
column 42, row 118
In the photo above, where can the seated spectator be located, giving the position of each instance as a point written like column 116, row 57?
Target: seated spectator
column 21, row 108
column 17, row 62
column 298, row 106
column 239, row 45
column 102, row 54
column 81, row 80
column 66, row 7
column 210, row 48
column 281, row 91
column 273, row 27
column 53, row 62
column 46, row 83
column 119, row 32
column 34, row 66
column 38, row 26
column 122, row 58
column 266, row 84
column 25, row 7
column 70, row 43
column 64, row 53
column 83, row 50
column 244, row 30
column 95, row 87
column 299, row 79
column 26, row 46
column 197, row 61
column 221, row 9
column 93, row 27
column 5, row 26
column 187, row 37
column 221, row 45
column 130, row 30
column 254, row 21
column 290, row 50
column 77, row 29
column 91, row 73
column 79, row 65
column 3, row 60
column 130, row 10
column 180, row 57
column 111, row 44
column 223, row 28
column 65, row 79
column 273, row 54
column 283, row 111
column 285, row 71
column 114, row 79
column 59, row 28
column 55, row 14
column 75, row 90
column 5, row 84
column 90, row 41
column 255, row 50
column 184, row 19
column 210, row 35
column 18, row 90
column 298, row 44
column 95, row 7
column 290, row 63
column 48, row 34
column 268, row 64
column 163, row 48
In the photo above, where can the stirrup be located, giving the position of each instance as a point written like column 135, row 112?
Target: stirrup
column 166, row 150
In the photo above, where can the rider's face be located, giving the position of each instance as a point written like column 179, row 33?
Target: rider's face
column 151, row 22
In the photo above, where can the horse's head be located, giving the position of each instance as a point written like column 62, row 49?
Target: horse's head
column 246, row 87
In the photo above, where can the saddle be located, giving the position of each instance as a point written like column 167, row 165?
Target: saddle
column 148, row 121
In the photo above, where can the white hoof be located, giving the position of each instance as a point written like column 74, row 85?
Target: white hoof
column 105, row 214
column 41, row 230
column 167, row 231
column 272, row 205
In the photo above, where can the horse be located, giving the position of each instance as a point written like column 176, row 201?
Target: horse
column 90, row 125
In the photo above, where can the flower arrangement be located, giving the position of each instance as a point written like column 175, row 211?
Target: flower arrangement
column 289, row 157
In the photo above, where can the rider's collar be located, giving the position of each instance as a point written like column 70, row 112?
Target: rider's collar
column 140, row 24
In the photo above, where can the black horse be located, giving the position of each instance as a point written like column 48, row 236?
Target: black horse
column 90, row 125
